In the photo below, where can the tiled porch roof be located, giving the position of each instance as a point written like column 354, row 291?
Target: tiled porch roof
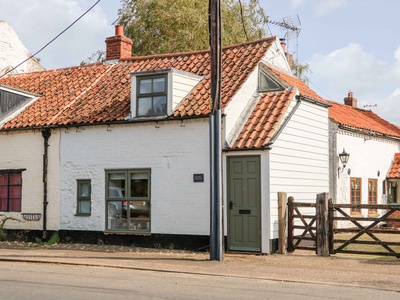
column 394, row 171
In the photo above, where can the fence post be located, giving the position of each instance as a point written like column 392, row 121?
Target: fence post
column 290, row 246
column 282, row 241
column 322, row 224
column 330, row 224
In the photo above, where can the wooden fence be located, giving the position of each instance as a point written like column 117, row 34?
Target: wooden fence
column 314, row 226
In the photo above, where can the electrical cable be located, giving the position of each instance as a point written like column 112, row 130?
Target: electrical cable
column 241, row 16
column 73, row 23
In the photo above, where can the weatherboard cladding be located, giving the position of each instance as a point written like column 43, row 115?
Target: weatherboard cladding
column 99, row 93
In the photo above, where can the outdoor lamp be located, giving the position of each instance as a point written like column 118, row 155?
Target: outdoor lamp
column 344, row 158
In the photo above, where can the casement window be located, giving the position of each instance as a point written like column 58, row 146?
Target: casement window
column 128, row 200
column 372, row 194
column 151, row 95
column 355, row 194
column 10, row 190
column 84, row 191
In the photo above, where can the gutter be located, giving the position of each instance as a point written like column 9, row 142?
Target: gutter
column 123, row 122
column 46, row 135
column 369, row 133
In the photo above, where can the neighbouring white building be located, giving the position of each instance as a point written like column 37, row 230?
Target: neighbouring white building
column 13, row 53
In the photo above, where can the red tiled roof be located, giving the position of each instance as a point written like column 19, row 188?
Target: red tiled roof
column 100, row 93
column 394, row 171
column 343, row 114
column 264, row 120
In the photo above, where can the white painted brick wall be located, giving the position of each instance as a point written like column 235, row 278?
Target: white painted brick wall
column 24, row 150
column 174, row 151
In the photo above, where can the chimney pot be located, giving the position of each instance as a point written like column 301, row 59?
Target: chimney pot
column 119, row 30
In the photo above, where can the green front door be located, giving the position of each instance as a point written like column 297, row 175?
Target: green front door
column 244, row 201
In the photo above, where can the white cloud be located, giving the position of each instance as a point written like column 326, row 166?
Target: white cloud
column 298, row 3
column 372, row 80
column 324, row 7
column 320, row 7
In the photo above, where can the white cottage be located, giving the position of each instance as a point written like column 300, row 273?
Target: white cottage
column 119, row 151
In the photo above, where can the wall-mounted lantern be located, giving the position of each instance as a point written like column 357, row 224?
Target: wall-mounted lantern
column 344, row 158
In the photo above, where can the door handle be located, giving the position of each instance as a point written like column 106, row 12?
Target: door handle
column 230, row 204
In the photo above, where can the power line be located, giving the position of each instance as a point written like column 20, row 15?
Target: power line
column 37, row 52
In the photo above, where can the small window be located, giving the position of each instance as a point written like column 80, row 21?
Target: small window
column 10, row 190
column 83, row 197
column 128, row 200
column 151, row 95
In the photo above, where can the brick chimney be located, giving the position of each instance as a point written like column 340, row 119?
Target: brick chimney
column 350, row 100
column 118, row 46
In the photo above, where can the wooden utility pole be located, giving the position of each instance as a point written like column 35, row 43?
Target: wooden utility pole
column 216, row 214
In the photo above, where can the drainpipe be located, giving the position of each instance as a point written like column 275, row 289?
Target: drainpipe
column 46, row 135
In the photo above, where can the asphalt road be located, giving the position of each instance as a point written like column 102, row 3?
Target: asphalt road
column 20, row 280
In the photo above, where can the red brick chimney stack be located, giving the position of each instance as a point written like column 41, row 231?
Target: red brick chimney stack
column 118, row 46
column 350, row 100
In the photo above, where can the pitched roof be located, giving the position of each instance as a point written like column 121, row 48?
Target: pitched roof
column 264, row 120
column 394, row 171
column 100, row 92
column 345, row 115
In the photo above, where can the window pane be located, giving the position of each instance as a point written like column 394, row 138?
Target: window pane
column 16, row 178
column 116, row 185
column 84, row 207
column 144, row 86
column 144, row 106
column 3, row 179
column 15, row 204
column 84, row 189
column 160, row 105
column 116, row 220
column 3, row 204
column 3, row 192
column 139, row 184
column 138, row 209
column 159, row 85
column 15, row 191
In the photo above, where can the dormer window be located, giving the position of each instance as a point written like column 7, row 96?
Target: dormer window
column 152, row 95
column 157, row 93
column 12, row 101
column 267, row 81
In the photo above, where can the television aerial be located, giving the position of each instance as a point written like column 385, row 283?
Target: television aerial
column 292, row 26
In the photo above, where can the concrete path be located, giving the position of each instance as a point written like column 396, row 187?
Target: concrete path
column 344, row 270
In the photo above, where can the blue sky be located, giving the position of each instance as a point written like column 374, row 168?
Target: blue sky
column 349, row 44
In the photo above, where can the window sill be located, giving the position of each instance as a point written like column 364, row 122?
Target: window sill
column 128, row 233
column 82, row 215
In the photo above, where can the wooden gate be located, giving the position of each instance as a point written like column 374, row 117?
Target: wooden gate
column 305, row 213
column 365, row 232
column 320, row 226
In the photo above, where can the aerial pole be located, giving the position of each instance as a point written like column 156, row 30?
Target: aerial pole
column 216, row 214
